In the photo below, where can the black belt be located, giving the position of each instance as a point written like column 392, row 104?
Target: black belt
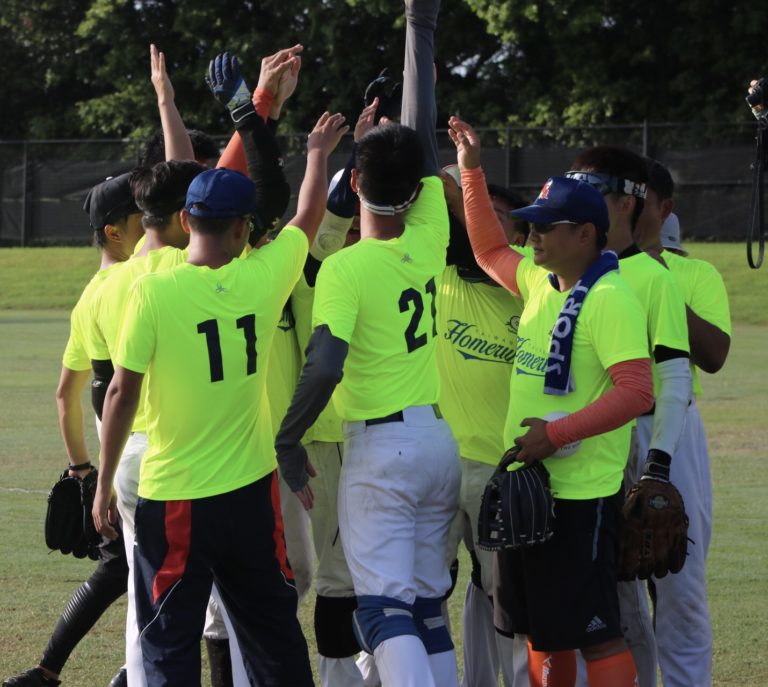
column 394, row 417
column 653, row 410
column 397, row 416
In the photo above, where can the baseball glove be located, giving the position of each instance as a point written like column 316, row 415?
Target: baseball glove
column 654, row 537
column 68, row 522
column 390, row 95
column 517, row 508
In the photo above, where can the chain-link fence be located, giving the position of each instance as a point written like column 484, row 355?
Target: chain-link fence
column 43, row 183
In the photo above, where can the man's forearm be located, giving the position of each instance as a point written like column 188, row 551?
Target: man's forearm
column 70, row 409
column 709, row 344
column 419, row 110
column 312, row 195
column 119, row 412
column 262, row 154
column 178, row 145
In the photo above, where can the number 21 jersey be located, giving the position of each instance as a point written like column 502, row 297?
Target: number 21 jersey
column 380, row 297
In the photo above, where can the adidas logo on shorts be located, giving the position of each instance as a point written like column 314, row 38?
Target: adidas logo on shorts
column 595, row 624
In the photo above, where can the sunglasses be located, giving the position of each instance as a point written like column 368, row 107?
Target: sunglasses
column 546, row 228
column 606, row 183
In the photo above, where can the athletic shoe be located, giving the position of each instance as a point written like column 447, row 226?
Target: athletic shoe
column 120, row 680
column 34, row 677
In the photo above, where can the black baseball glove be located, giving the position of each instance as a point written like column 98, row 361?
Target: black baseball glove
column 68, row 522
column 390, row 95
column 517, row 508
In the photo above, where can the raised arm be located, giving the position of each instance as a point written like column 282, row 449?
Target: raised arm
column 489, row 243
column 278, row 78
column 314, row 187
column 262, row 153
column 419, row 110
column 178, row 146
column 342, row 204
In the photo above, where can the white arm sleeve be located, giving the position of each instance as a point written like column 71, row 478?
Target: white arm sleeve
column 671, row 404
column 330, row 236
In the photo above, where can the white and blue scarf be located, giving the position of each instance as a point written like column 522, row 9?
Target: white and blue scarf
column 558, row 379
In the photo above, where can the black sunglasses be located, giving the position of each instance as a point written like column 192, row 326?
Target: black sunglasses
column 546, row 228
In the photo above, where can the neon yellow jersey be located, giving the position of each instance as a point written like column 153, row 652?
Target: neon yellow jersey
column 611, row 328
column 660, row 296
column 476, row 334
column 77, row 352
column 283, row 367
column 109, row 305
column 327, row 427
column 202, row 336
column 380, row 297
column 139, row 244
column 704, row 292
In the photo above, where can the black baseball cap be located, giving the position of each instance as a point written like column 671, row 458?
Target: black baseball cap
column 110, row 201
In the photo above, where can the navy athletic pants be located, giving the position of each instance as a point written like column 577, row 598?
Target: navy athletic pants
column 236, row 539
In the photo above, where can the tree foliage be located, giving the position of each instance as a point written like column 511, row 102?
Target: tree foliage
column 80, row 68
column 581, row 62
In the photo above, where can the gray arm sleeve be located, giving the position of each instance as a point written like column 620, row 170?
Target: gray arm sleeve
column 671, row 404
column 419, row 109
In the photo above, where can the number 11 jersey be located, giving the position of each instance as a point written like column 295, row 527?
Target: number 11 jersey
column 201, row 335
column 380, row 297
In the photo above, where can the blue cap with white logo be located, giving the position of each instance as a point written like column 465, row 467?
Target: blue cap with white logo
column 567, row 200
column 221, row 193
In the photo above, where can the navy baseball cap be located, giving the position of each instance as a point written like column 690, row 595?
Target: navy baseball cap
column 567, row 200
column 221, row 193
column 110, row 201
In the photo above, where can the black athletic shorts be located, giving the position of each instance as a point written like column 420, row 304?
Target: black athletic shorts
column 562, row 593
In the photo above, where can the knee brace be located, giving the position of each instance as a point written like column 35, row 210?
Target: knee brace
column 430, row 623
column 378, row 618
column 334, row 631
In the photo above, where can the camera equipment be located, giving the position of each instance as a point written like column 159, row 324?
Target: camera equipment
column 756, row 228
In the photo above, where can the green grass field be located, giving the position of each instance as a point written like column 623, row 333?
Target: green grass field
column 35, row 584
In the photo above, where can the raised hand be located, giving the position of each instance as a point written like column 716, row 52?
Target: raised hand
column 287, row 85
column 160, row 79
column 226, row 82
column 467, row 143
column 367, row 120
column 327, row 133
column 273, row 67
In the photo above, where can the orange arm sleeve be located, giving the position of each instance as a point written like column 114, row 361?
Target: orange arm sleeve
column 233, row 156
column 632, row 395
column 489, row 244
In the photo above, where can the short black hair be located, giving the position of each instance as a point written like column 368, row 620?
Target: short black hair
column 389, row 160
column 212, row 225
column 515, row 202
column 618, row 162
column 204, row 146
column 513, row 199
column 660, row 180
column 161, row 190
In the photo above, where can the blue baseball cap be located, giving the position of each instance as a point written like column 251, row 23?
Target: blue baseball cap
column 221, row 193
column 567, row 200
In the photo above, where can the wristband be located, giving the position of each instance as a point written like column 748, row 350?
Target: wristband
column 657, row 466
column 81, row 466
